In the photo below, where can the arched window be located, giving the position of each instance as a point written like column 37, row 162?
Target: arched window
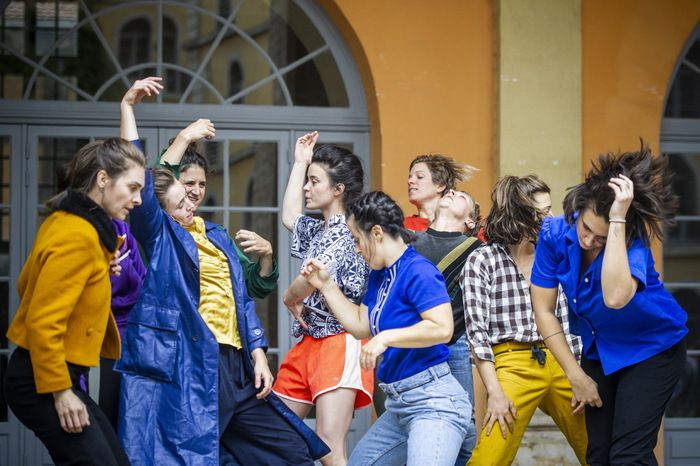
column 135, row 42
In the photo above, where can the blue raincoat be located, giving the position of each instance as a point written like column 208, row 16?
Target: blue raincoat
column 169, row 404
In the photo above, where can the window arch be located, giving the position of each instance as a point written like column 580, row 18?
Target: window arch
column 135, row 42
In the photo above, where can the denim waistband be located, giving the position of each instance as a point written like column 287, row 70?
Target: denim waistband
column 416, row 380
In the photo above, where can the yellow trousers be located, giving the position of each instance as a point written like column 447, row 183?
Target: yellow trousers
column 530, row 386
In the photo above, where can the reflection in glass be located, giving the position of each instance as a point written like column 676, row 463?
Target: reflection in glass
column 264, row 225
column 53, row 155
column 252, row 173
column 280, row 56
column 685, row 401
column 5, row 157
column 685, row 90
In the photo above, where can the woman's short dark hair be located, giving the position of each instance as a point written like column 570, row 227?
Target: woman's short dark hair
column 445, row 171
column 343, row 167
column 377, row 208
column 514, row 217
column 654, row 205
column 114, row 155
column 192, row 157
column 162, row 181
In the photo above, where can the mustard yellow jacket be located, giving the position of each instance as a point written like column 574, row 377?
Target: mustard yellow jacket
column 64, row 314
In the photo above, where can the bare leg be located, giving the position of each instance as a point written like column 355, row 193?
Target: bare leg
column 299, row 408
column 333, row 417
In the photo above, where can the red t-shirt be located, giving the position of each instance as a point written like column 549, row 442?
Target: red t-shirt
column 416, row 223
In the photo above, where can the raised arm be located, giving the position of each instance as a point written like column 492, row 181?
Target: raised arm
column 293, row 203
column 140, row 89
column 618, row 284
column 195, row 131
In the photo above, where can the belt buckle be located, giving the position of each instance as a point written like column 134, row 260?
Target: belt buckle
column 539, row 355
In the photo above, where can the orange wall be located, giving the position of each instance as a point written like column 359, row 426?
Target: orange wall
column 630, row 48
column 428, row 69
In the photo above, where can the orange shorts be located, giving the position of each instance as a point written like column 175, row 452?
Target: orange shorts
column 317, row 366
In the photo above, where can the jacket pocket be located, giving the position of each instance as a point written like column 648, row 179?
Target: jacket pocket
column 151, row 342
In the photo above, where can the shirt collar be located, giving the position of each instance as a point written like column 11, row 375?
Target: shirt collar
column 197, row 226
column 336, row 219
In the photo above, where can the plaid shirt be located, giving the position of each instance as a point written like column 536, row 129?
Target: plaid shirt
column 497, row 304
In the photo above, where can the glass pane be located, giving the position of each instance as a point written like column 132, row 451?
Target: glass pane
column 3, row 402
column 213, row 151
column 685, row 90
column 5, row 157
column 686, row 168
column 5, row 243
column 4, row 313
column 252, row 173
column 264, row 225
column 211, row 216
column 317, row 83
column 685, row 401
column 53, row 154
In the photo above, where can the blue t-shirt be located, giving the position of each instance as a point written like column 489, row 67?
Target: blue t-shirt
column 650, row 323
column 396, row 296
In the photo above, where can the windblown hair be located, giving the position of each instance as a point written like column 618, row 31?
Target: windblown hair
column 377, row 208
column 654, row 205
column 514, row 217
column 445, row 170
column 114, row 155
column 162, row 181
column 343, row 167
column 192, row 157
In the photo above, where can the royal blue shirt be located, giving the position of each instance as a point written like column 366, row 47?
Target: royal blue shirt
column 396, row 296
column 650, row 323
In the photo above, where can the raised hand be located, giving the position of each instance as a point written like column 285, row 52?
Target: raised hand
column 142, row 88
column 304, row 149
column 624, row 194
column 197, row 130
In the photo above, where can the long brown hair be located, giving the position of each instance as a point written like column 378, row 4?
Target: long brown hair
column 514, row 217
column 654, row 205
column 114, row 155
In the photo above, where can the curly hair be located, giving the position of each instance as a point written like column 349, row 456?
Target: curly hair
column 343, row 167
column 514, row 217
column 377, row 208
column 445, row 170
column 654, row 205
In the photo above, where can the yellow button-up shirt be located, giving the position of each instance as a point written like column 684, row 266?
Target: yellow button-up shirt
column 216, row 303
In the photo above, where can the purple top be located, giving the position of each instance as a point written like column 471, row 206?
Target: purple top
column 127, row 286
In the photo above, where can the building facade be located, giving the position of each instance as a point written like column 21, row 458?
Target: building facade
column 509, row 86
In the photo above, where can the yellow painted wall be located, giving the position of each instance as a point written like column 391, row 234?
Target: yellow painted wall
column 428, row 74
column 540, row 92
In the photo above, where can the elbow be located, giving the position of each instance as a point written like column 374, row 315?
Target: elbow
column 615, row 300
column 444, row 333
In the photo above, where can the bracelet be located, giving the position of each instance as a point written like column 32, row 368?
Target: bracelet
column 617, row 220
column 550, row 336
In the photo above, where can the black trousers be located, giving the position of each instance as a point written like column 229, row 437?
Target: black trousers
column 110, row 381
column 97, row 444
column 252, row 432
column 625, row 429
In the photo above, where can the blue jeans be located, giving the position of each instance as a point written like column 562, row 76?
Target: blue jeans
column 425, row 422
column 460, row 362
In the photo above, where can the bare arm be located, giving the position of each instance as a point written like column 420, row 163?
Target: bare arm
column 200, row 129
column 139, row 90
column 544, row 302
column 293, row 203
column 618, row 284
column 352, row 316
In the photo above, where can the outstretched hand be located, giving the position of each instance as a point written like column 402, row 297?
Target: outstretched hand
column 304, row 149
column 142, row 88
column 624, row 194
